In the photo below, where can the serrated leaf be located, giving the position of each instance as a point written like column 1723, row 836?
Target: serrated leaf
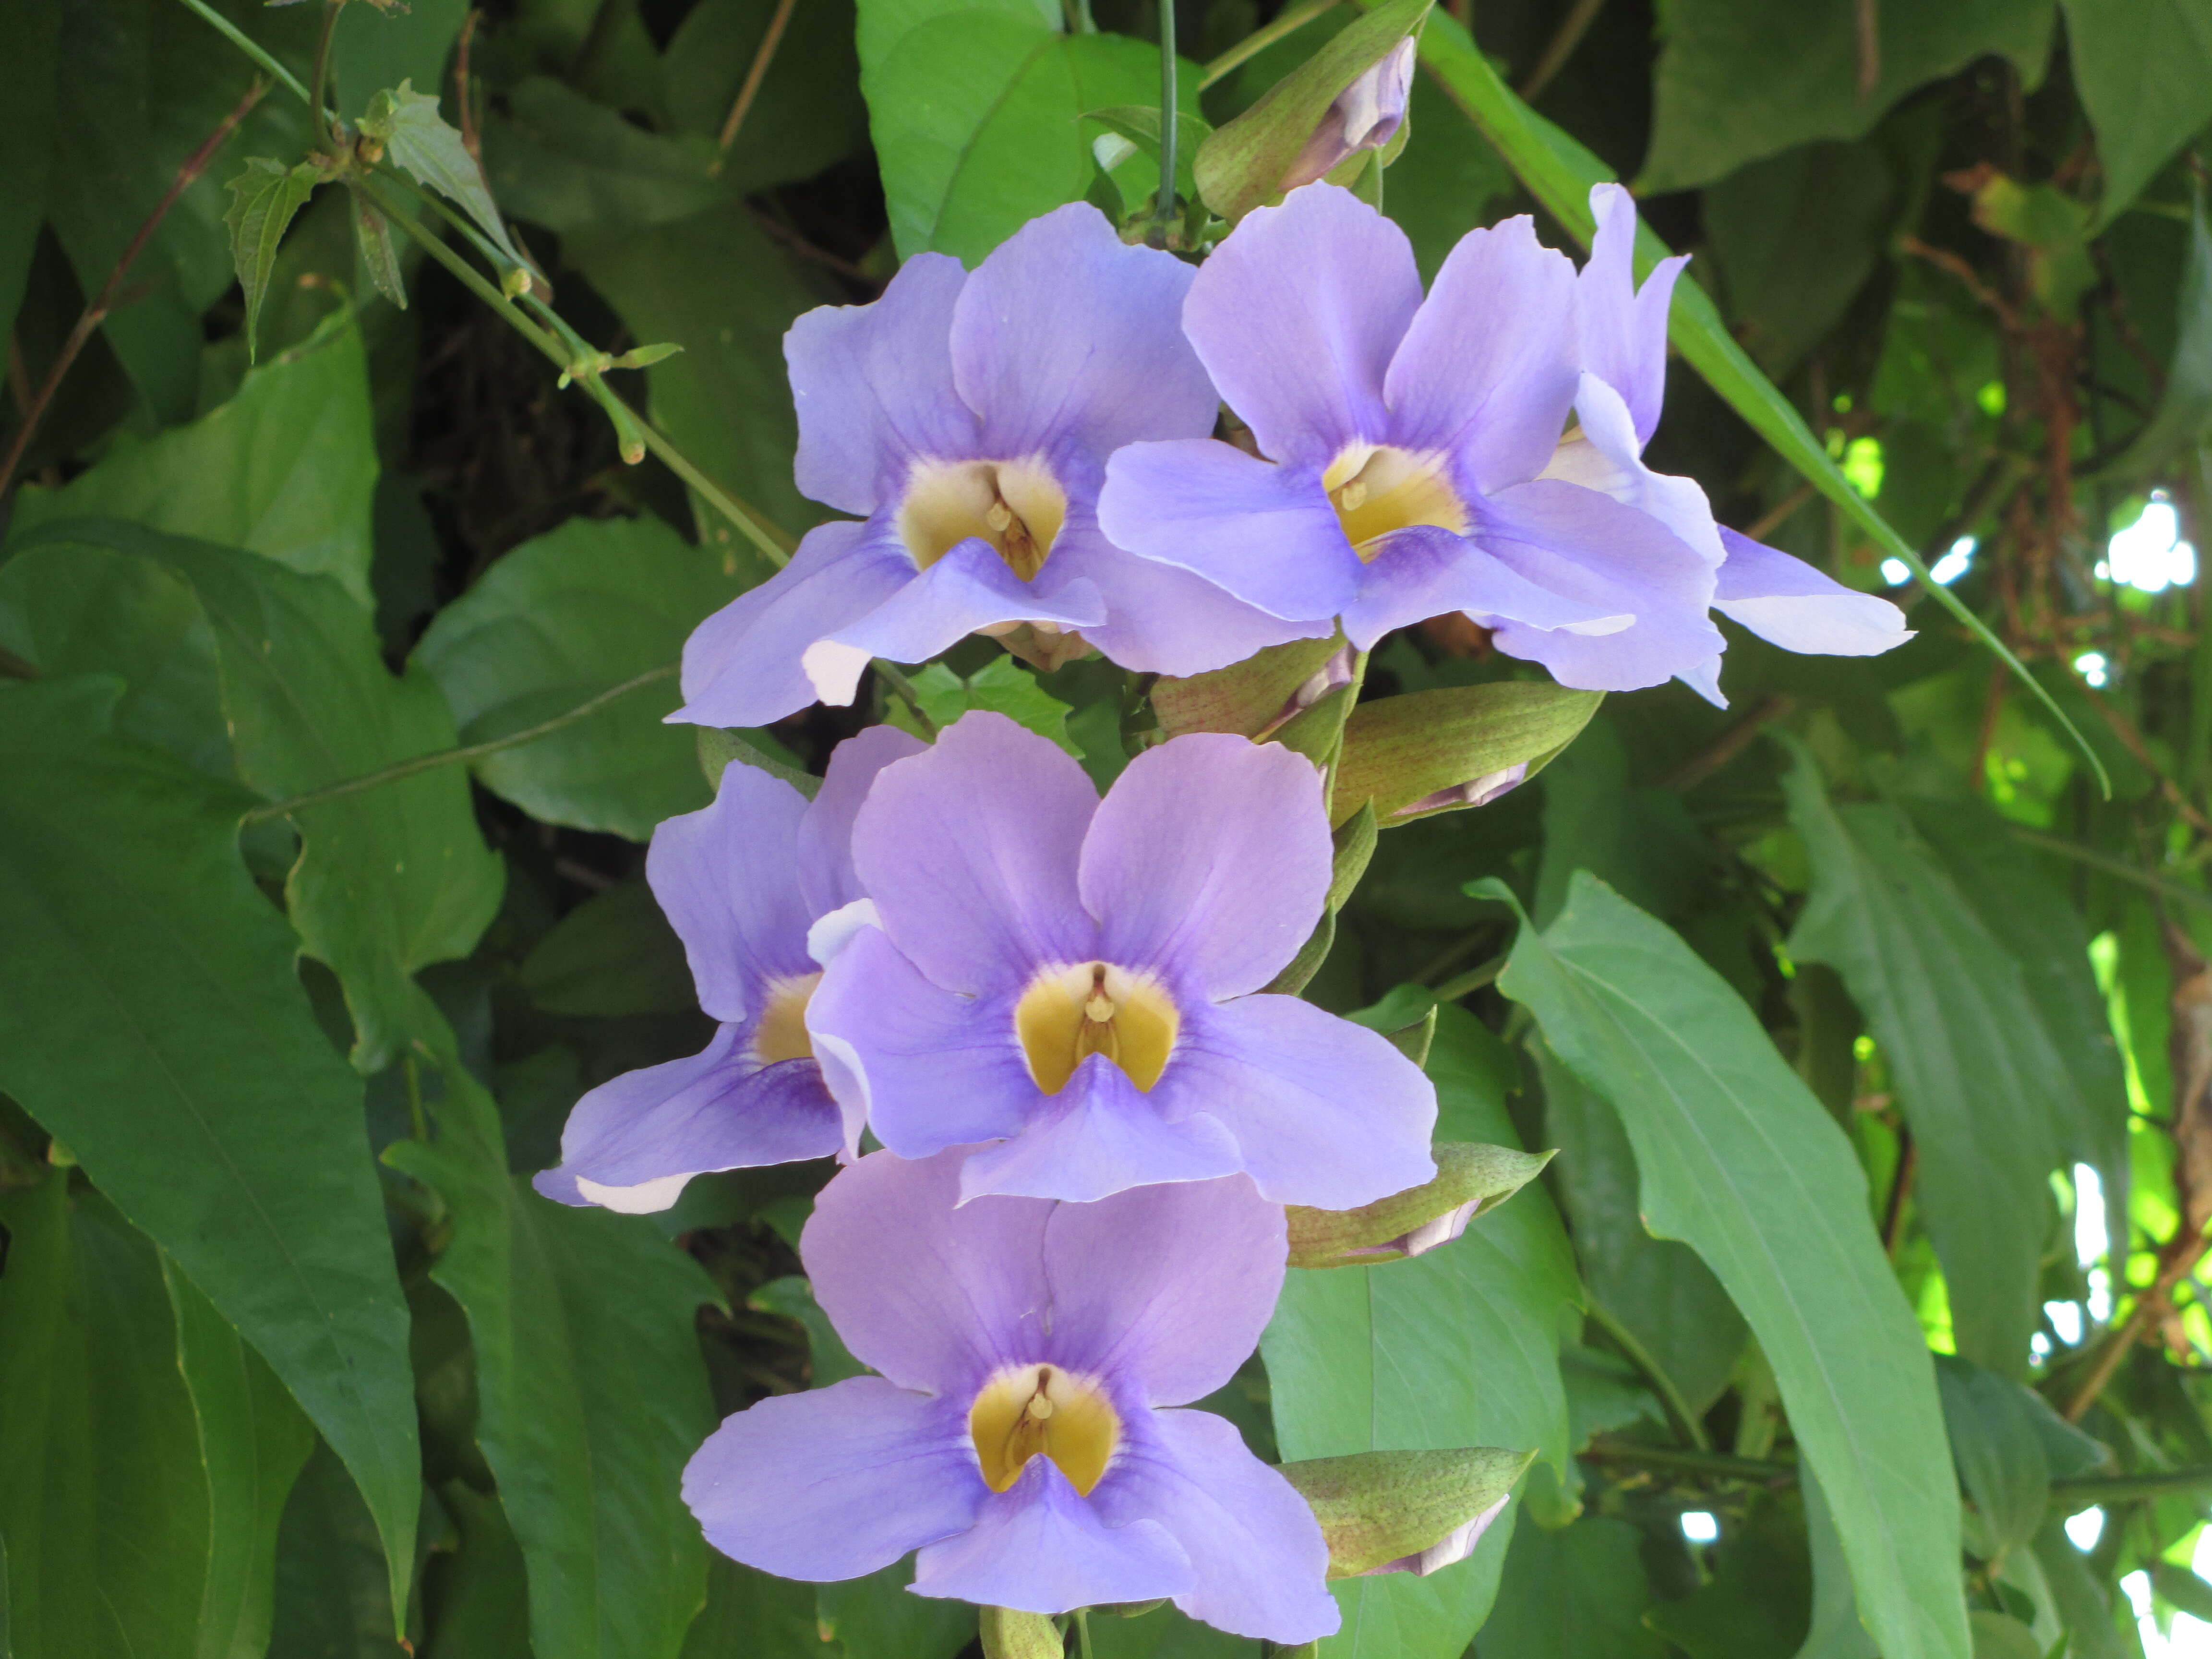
column 373, row 235
column 264, row 198
column 417, row 141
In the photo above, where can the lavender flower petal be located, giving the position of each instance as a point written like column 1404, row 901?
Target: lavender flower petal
column 1164, row 620
column 724, row 877
column 1800, row 609
column 1425, row 571
column 1259, row 1553
column 1606, row 455
column 968, row 591
column 1098, row 1136
column 1265, row 534
column 826, row 877
column 1487, row 370
column 1624, row 332
column 836, row 1482
column 1328, row 1113
column 969, row 852
column 874, row 387
column 1297, row 315
column 1210, row 856
column 631, row 1144
column 1037, row 1548
column 1068, row 336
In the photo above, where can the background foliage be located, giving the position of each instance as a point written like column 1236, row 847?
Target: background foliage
column 1868, row 1023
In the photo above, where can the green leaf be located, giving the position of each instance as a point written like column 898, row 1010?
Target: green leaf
column 1241, row 165
column 752, row 1615
column 376, row 46
column 1574, row 1593
column 2143, row 71
column 287, row 468
column 417, row 141
column 726, row 400
column 591, row 1389
column 1401, row 752
column 1638, row 838
column 1558, row 172
column 1001, row 685
column 2001, row 1636
column 1979, row 1079
column 330, row 1594
column 2184, row 408
column 2010, row 1445
column 1739, row 1162
column 27, row 77
column 614, row 954
column 390, row 879
column 561, row 161
column 806, row 113
column 263, row 199
column 1456, row 1347
column 828, row 1359
column 977, row 116
column 878, row 1617
column 372, row 237
column 1836, row 1633
column 1757, row 1603
column 142, row 964
column 253, row 1440
column 1739, row 80
column 557, row 621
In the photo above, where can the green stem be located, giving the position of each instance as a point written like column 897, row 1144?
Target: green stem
column 408, row 768
column 325, row 132
column 2080, row 1491
column 1686, row 1420
column 1720, row 1465
column 1083, row 1633
column 903, row 689
column 1156, row 234
column 1472, row 981
column 1293, row 19
column 2110, row 867
column 252, row 48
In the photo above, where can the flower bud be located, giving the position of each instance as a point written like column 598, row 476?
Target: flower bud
column 1431, row 751
column 1007, row 1634
column 1254, row 697
column 1471, row 1178
column 1366, row 115
column 1405, row 1511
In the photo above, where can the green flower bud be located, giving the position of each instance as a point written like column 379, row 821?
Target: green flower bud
column 1007, row 1634
column 1405, row 1511
column 1471, row 1178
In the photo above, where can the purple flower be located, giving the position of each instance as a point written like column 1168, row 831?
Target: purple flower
column 1453, row 1548
column 1366, row 115
column 1624, row 379
column 760, row 887
column 967, row 420
column 1075, row 979
column 1016, row 1436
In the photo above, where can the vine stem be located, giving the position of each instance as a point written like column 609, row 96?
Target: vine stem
column 755, row 74
column 1292, row 19
column 1156, row 234
column 408, row 768
column 104, row 301
column 317, row 109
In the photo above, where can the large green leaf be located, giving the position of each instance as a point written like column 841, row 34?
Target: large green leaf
column 330, row 1595
column 1457, row 1347
column 287, row 468
column 1982, row 1084
column 1741, row 79
column 591, row 1389
column 26, row 140
column 1560, row 172
column 1575, row 1593
column 373, row 47
column 751, row 1615
column 1757, row 1602
column 556, row 623
column 2143, row 70
column 150, row 1017
column 716, row 285
column 390, row 879
column 1739, row 1162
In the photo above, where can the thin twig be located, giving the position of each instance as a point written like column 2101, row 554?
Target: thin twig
column 757, row 72
column 1900, row 1187
column 1292, row 19
column 104, row 300
column 1686, row 1420
column 1730, row 743
column 325, row 132
column 903, row 688
column 2110, row 865
column 1473, row 980
column 253, row 48
column 1560, row 47
column 1763, row 526
column 19, row 377
column 408, row 768
column 1868, row 39
column 462, row 103
column 1608, row 1450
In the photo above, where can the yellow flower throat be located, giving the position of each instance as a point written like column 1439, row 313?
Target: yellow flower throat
column 1040, row 1411
column 1068, row 1014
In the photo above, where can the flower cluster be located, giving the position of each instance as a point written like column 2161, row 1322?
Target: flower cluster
column 1053, row 1012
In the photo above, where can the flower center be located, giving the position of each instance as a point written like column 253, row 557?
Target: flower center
column 1377, row 489
column 782, row 1033
column 1018, row 507
column 1068, row 1014
column 1028, row 1410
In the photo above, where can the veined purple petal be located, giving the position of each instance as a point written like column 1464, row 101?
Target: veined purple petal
column 1606, row 455
column 1265, row 534
column 1067, row 334
column 1424, row 571
column 1259, row 1555
column 1210, row 857
column 1098, row 1136
column 1624, row 332
column 632, row 1143
column 874, row 387
column 969, row 589
column 969, row 852
column 826, row 880
column 1297, row 315
column 726, row 877
column 1037, row 1548
column 1800, row 609
column 1167, row 1287
column 746, row 664
column 932, row 1293
column 836, row 1482
column 1327, row 1112
column 1161, row 619
column 1486, row 371
column 928, row 1068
